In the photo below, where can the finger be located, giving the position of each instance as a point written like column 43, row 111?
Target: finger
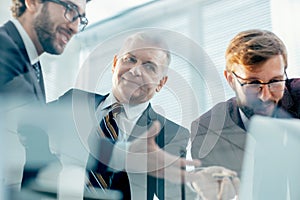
column 162, row 159
column 221, row 170
column 175, row 175
column 206, row 186
column 227, row 190
column 146, row 142
column 236, row 184
column 151, row 132
column 182, row 162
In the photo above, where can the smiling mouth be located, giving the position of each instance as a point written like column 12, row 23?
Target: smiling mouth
column 130, row 81
column 136, row 85
column 64, row 36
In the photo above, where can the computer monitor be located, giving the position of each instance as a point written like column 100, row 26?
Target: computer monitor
column 271, row 162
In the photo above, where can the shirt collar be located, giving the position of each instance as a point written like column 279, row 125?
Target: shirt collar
column 244, row 118
column 29, row 46
column 131, row 111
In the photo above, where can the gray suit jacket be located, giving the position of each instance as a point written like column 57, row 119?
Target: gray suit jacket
column 219, row 136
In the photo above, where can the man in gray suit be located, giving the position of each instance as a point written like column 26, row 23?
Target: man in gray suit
column 256, row 62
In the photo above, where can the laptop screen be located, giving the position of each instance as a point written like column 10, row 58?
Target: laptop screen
column 271, row 162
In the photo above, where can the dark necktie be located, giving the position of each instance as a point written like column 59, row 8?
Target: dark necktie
column 108, row 125
column 37, row 69
column 39, row 78
column 107, row 128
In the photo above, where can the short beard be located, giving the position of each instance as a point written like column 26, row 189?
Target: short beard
column 247, row 111
column 43, row 27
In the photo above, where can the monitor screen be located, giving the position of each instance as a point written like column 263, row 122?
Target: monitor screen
column 271, row 162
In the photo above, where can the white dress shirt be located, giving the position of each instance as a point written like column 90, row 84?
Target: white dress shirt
column 245, row 119
column 29, row 46
column 126, row 121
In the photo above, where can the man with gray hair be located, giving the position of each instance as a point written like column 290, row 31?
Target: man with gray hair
column 133, row 148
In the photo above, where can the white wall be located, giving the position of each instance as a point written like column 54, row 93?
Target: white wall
column 5, row 13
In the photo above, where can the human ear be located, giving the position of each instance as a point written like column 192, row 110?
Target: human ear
column 162, row 82
column 31, row 5
column 114, row 63
column 230, row 79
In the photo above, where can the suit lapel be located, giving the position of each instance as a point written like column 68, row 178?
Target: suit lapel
column 234, row 126
column 16, row 37
column 143, row 123
column 225, row 125
column 28, row 71
column 98, row 99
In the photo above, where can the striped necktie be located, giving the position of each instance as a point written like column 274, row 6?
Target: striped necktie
column 108, row 125
column 107, row 128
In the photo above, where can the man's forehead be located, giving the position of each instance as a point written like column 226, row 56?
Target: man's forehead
column 134, row 44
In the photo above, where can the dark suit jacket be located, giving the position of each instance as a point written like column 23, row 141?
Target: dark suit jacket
column 19, row 86
column 172, row 138
column 17, row 77
column 219, row 136
column 291, row 98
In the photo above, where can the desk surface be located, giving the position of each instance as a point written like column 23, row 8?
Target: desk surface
column 36, row 192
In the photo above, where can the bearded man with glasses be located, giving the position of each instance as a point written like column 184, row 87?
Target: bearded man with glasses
column 38, row 26
column 256, row 62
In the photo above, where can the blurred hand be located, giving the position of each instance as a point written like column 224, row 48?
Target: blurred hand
column 216, row 183
column 145, row 156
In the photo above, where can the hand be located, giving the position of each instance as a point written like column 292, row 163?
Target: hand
column 145, row 156
column 216, row 183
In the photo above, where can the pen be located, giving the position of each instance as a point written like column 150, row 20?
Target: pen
column 182, row 155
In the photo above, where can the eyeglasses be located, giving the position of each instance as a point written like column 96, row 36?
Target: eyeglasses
column 255, row 87
column 72, row 13
column 147, row 67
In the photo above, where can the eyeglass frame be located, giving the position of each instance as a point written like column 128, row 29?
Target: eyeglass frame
column 68, row 6
column 126, row 59
column 260, row 83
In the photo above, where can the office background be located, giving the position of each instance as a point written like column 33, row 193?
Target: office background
column 209, row 24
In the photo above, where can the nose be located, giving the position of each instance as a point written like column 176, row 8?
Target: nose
column 265, row 93
column 74, row 26
column 136, row 70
